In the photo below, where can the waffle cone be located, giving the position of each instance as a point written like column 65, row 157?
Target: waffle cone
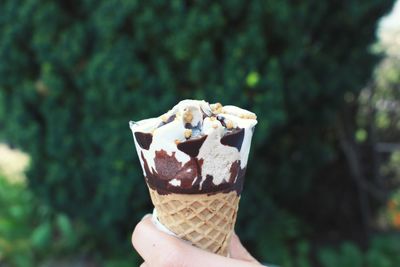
column 206, row 221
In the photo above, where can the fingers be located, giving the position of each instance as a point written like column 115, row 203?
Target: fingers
column 154, row 246
column 238, row 251
column 159, row 249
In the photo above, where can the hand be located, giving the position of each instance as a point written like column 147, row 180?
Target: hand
column 159, row 249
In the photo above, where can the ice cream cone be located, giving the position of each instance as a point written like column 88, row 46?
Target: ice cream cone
column 194, row 159
column 206, row 221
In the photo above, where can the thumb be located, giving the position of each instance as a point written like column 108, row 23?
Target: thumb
column 238, row 251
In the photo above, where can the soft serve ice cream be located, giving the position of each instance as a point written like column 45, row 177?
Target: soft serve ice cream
column 195, row 148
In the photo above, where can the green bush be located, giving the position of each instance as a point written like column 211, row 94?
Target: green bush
column 15, row 220
column 29, row 232
column 383, row 252
column 73, row 73
column 32, row 235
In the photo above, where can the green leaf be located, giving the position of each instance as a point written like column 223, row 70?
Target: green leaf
column 252, row 79
column 41, row 236
column 361, row 135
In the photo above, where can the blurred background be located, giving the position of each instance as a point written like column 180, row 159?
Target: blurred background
column 323, row 180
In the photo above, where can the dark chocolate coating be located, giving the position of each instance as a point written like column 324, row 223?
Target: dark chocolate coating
column 221, row 120
column 168, row 168
column 234, row 138
column 144, row 139
column 192, row 146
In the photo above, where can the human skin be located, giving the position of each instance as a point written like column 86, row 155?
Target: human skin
column 159, row 249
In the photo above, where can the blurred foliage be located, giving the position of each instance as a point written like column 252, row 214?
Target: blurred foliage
column 31, row 235
column 384, row 251
column 392, row 168
column 383, row 97
column 378, row 121
column 15, row 219
column 29, row 232
column 73, row 73
column 392, row 210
